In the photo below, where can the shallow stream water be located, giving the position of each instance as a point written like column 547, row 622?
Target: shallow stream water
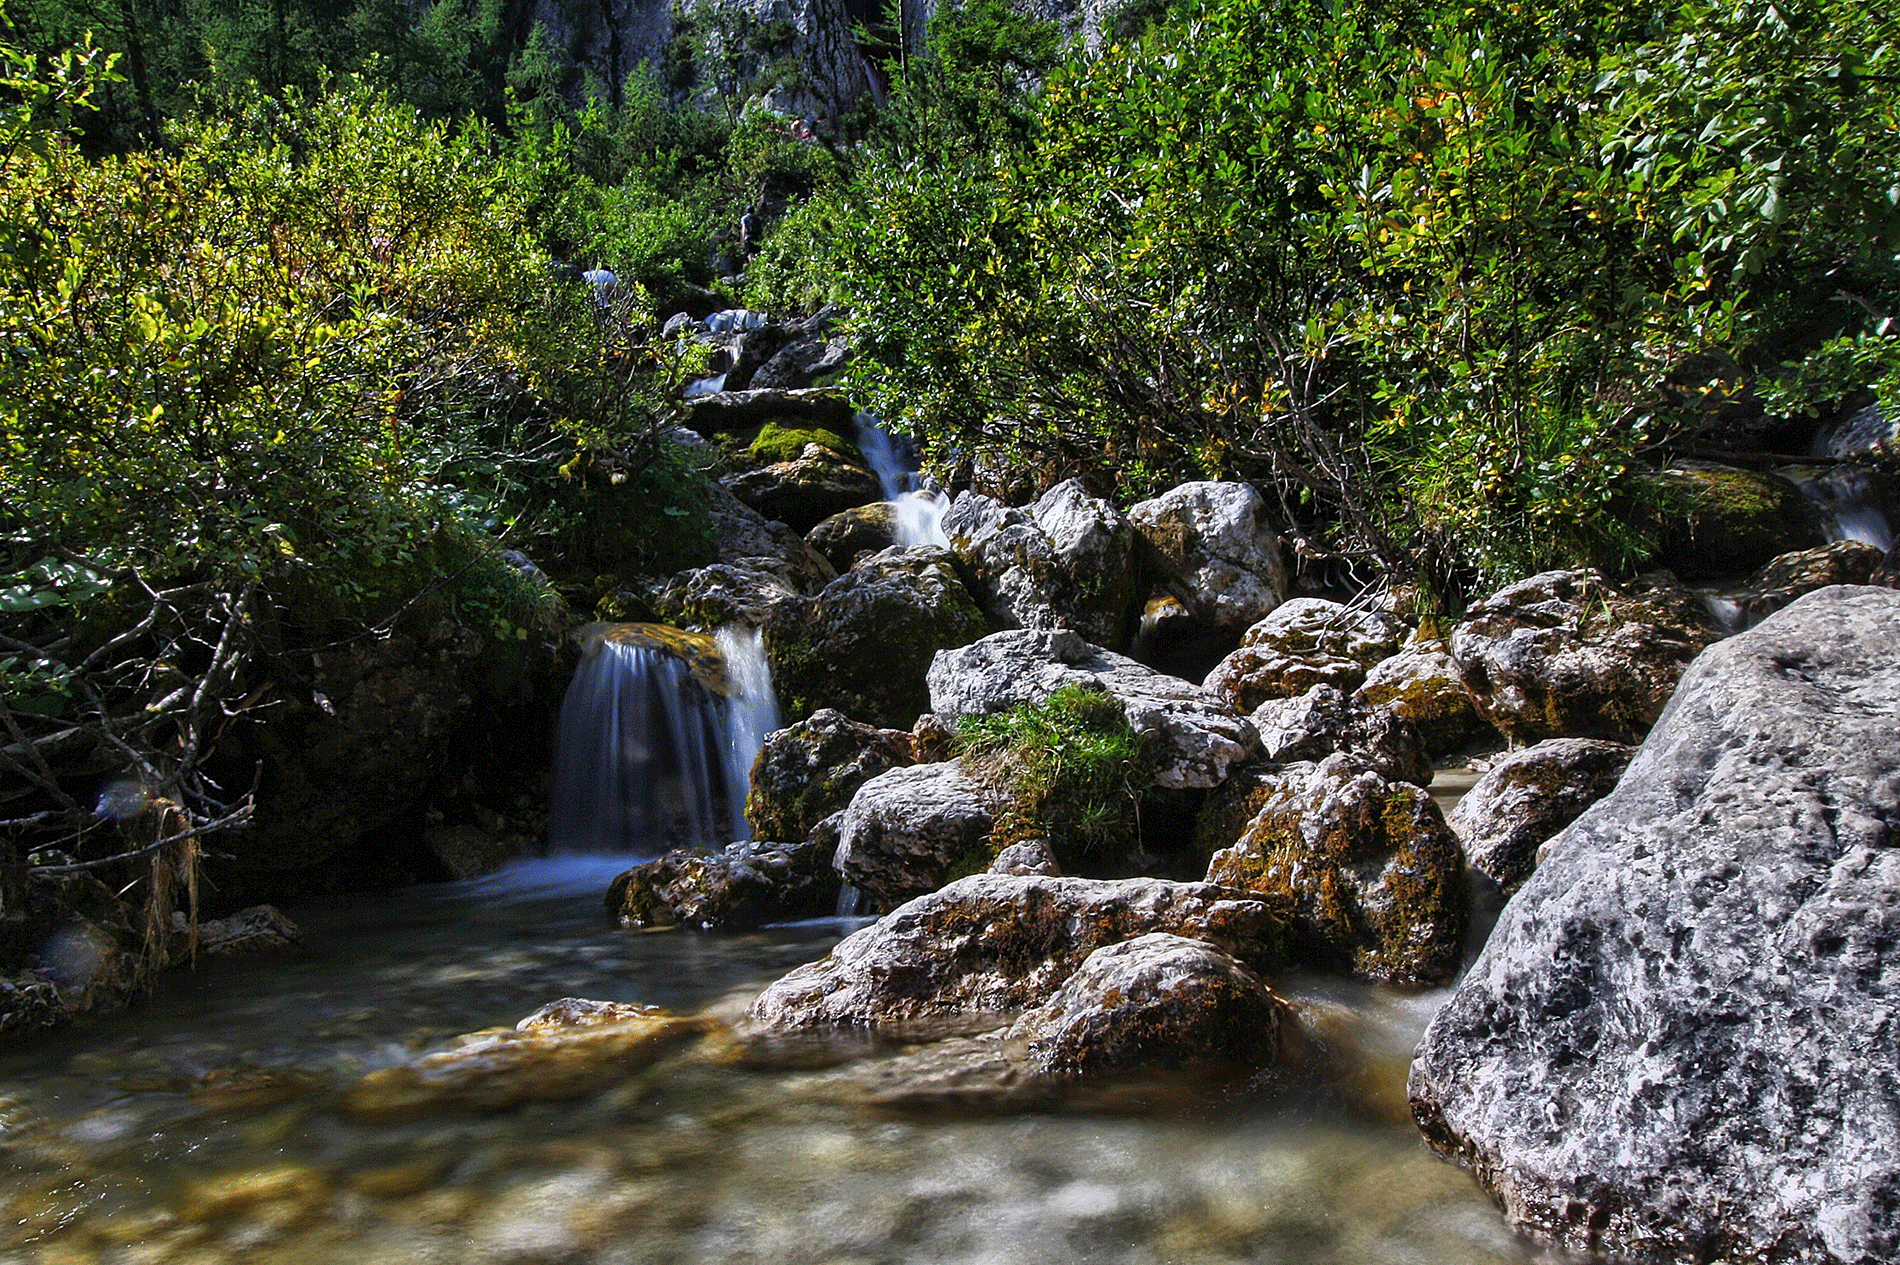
column 205, row 1126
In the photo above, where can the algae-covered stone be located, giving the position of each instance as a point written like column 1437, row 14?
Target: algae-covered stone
column 866, row 528
column 810, row 770
column 997, row 944
column 1305, row 642
column 1422, row 684
column 864, row 644
column 1365, row 870
column 1158, row 1000
column 1567, row 654
column 564, row 1050
column 1723, row 521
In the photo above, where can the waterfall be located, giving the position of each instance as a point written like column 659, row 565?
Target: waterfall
column 1847, row 497
column 656, row 740
column 918, row 505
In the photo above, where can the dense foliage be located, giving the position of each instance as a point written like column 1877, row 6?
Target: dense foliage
column 1443, row 275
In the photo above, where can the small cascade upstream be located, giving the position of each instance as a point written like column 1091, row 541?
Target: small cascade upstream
column 656, row 740
column 920, row 506
column 1845, row 495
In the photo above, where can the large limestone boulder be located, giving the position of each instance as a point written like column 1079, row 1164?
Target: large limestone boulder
column 863, row 645
column 1214, row 551
column 1367, row 873
column 1422, row 684
column 998, row 944
column 1566, row 654
column 909, row 829
column 1067, row 561
column 811, row 770
column 741, row 885
column 1323, row 721
column 1527, row 797
column 1158, row 1000
column 1305, row 642
column 1679, row 1041
column 705, row 599
column 813, row 351
column 1197, row 736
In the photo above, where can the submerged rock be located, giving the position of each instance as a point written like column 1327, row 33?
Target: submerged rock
column 1566, row 654
column 1067, row 561
column 1197, row 737
column 864, row 644
column 741, row 885
column 811, row 770
column 1157, row 1000
column 1305, row 642
column 563, row 1050
column 996, row 944
column 1323, row 721
column 1422, row 684
column 1216, row 552
column 1527, row 797
column 1364, row 869
column 908, row 830
column 1680, row 1038
column 259, row 929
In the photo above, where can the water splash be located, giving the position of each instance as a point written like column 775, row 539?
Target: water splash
column 656, row 740
column 918, row 505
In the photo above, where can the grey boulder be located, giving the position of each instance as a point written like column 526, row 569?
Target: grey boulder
column 908, row 829
column 1527, row 797
column 1215, row 551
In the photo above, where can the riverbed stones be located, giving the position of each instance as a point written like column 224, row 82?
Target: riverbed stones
column 908, row 830
column 1324, row 720
column 1422, row 684
column 808, row 771
column 29, row 1006
column 1305, row 642
column 1528, row 796
column 1158, row 1000
column 998, row 944
column 564, row 1050
column 261, row 929
column 1679, row 1041
column 1566, row 654
column 863, row 645
column 1791, row 575
column 1364, row 869
column 1197, row 736
column 1066, row 561
column 1215, row 551
column 740, row 885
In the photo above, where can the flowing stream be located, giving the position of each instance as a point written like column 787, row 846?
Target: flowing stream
column 205, row 1126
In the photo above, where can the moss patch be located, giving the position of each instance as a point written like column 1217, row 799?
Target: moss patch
column 776, row 443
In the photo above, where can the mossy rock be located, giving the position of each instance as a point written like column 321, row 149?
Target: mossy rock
column 775, row 443
column 1722, row 521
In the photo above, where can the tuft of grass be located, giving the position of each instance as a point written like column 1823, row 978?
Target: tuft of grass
column 1071, row 770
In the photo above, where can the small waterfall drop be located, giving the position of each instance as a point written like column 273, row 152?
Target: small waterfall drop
column 919, row 505
column 656, row 740
column 1845, row 495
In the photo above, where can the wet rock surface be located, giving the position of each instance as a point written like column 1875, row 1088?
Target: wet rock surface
column 259, row 929
column 1215, row 551
column 1157, row 1000
column 810, row 770
column 740, row 885
column 1526, row 797
column 1566, row 654
column 1066, row 561
column 1305, row 642
column 1365, row 870
column 1323, row 721
column 1197, row 736
column 863, row 645
column 997, row 944
column 1679, row 1039
column 909, row 829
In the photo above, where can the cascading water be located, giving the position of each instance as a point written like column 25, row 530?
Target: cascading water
column 1846, row 496
column 919, row 506
column 656, row 740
